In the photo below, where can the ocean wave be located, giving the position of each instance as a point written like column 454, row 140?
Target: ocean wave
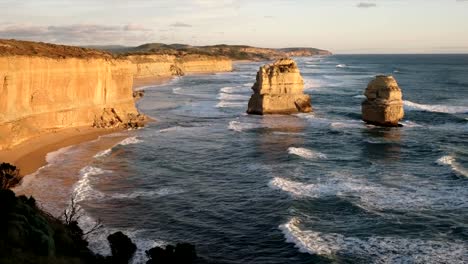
column 83, row 188
column 103, row 153
column 306, row 153
column 435, row 108
column 360, row 96
column 233, row 97
column 172, row 129
column 240, row 127
column 374, row 249
column 250, row 84
column 377, row 198
column 154, row 193
column 177, row 90
column 451, row 162
column 347, row 124
column 230, row 104
column 341, row 66
column 130, row 141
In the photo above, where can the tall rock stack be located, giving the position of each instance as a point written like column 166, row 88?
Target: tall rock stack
column 279, row 89
column 384, row 103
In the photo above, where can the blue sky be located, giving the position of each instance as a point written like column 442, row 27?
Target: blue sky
column 342, row 26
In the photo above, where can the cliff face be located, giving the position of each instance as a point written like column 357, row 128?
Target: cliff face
column 279, row 90
column 146, row 66
column 43, row 93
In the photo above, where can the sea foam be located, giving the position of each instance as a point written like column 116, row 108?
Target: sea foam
column 306, row 153
column 377, row 198
column 130, row 141
column 435, row 108
column 83, row 188
column 374, row 249
column 451, row 162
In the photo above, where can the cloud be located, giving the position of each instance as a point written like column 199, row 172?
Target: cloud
column 180, row 24
column 366, row 5
column 79, row 34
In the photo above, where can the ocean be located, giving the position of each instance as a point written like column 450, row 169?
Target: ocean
column 322, row 187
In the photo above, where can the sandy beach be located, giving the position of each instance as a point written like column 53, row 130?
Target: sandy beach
column 31, row 155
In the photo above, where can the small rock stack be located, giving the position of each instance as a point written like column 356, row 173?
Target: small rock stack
column 279, row 89
column 384, row 103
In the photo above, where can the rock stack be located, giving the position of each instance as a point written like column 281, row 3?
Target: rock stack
column 383, row 105
column 279, row 90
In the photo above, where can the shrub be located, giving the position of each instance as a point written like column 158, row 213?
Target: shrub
column 9, row 176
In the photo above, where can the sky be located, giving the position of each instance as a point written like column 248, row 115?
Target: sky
column 341, row 26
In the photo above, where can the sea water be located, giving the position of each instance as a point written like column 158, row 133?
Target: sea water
column 308, row 188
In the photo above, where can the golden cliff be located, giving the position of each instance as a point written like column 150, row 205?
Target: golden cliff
column 384, row 104
column 46, row 87
column 150, row 66
column 61, row 90
column 279, row 90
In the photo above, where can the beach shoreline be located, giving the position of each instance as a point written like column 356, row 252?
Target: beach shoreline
column 30, row 156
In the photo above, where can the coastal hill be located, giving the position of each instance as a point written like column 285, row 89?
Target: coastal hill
column 234, row 52
column 11, row 47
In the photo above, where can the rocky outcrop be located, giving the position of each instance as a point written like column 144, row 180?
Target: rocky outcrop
column 151, row 66
column 279, row 90
column 40, row 94
column 384, row 104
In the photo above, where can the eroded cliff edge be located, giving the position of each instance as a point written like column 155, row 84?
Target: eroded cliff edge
column 46, row 87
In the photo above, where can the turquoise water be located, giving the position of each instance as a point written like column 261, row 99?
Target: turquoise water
column 308, row 188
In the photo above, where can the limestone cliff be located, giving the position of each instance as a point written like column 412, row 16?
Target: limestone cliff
column 384, row 104
column 147, row 66
column 61, row 90
column 279, row 90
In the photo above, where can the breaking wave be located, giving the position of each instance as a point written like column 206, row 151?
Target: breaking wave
column 83, row 188
column 239, row 126
column 130, row 141
column 341, row 66
column 154, row 193
column 453, row 164
column 374, row 249
column 306, row 153
column 103, row 153
column 376, row 198
column 436, row 108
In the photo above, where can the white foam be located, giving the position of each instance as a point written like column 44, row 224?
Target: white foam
column 83, row 188
column 341, row 66
column 130, row 141
column 177, row 90
column 250, row 84
column 171, row 129
column 347, row 124
column 306, row 153
column 103, row 153
column 408, row 123
column 374, row 249
column 435, row 108
column 229, row 89
column 239, row 126
column 154, row 193
column 233, row 97
column 453, row 164
column 227, row 104
column 377, row 198
column 360, row 96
